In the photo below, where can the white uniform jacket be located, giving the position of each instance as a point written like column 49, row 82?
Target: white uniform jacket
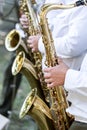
column 70, row 39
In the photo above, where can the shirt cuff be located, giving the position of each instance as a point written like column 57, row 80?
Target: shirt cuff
column 41, row 46
column 71, row 80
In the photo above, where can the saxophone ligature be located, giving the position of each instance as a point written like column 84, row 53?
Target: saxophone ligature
column 62, row 120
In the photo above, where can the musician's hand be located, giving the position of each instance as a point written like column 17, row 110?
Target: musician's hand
column 24, row 21
column 55, row 76
column 32, row 42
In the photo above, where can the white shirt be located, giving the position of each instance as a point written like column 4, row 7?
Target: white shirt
column 70, row 40
column 76, row 85
column 18, row 28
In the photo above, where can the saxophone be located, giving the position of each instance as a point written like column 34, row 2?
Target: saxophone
column 14, row 42
column 62, row 120
column 34, row 29
column 34, row 104
column 23, row 65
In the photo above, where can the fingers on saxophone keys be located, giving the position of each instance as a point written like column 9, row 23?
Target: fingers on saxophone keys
column 50, row 85
column 48, row 81
column 33, row 50
column 30, row 44
column 47, row 73
column 24, row 21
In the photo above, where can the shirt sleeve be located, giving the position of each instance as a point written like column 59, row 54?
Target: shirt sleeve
column 74, row 42
column 41, row 47
column 77, row 80
column 20, row 30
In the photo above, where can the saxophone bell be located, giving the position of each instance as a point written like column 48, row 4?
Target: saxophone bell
column 20, row 61
column 13, row 41
column 33, row 99
column 22, row 65
column 34, row 104
column 35, row 107
column 27, row 103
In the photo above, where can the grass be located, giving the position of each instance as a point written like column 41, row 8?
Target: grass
column 15, row 123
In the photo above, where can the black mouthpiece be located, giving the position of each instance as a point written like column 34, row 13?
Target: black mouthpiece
column 81, row 2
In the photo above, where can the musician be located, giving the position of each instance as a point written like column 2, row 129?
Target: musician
column 68, row 33
column 70, row 36
column 75, row 82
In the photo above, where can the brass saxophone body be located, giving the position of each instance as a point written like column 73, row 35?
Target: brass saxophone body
column 34, row 29
column 35, row 107
column 34, row 104
column 61, row 119
column 23, row 65
column 13, row 42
